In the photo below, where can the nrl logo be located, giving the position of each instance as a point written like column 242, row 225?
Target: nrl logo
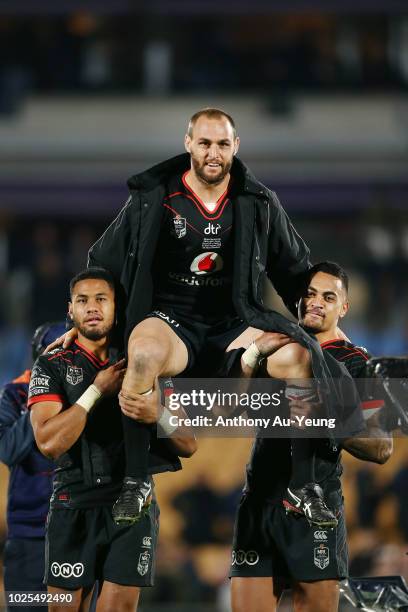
column 143, row 564
column 74, row 375
column 321, row 556
column 180, row 226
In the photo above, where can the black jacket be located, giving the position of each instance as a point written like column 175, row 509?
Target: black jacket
column 266, row 243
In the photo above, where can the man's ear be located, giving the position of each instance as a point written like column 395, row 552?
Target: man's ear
column 344, row 309
column 70, row 311
column 187, row 143
column 236, row 145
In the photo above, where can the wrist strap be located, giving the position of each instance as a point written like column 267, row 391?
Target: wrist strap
column 251, row 356
column 89, row 398
column 164, row 423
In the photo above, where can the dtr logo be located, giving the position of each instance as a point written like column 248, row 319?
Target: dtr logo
column 212, row 229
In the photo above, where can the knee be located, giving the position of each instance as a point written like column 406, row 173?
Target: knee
column 146, row 354
column 291, row 361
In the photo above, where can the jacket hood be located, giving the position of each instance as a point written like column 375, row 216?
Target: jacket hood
column 160, row 173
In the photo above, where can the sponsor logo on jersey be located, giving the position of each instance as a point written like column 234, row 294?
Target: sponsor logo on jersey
column 147, row 541
column 74, row 375
column 197, row 281
column 67, row 570
column 320, row 535
column 212, row 228
column 143, row 565
column 321, row 556
column 54, row 351
column 180, row 226
column 207, row 263
column 239, row 557
column 39, row 382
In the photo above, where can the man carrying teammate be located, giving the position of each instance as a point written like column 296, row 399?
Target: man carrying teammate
column 77, row 422
column 270, row 551
column 191, row 250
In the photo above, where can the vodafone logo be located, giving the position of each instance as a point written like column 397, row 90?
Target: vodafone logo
column 207, row 263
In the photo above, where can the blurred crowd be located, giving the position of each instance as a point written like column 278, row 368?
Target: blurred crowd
column 83, row 52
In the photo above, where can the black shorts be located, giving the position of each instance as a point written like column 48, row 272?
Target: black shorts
column 267, row 543
column 206, row 342
column 85, row 545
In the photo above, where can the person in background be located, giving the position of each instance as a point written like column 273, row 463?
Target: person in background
column 30, row 483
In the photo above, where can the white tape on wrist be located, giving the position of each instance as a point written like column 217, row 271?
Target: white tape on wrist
column 251, row 356
column 148, row 392
column 89, row 398
column 164, row 423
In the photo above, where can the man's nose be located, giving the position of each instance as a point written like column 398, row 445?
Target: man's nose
column 214, row 151
column 317, row 302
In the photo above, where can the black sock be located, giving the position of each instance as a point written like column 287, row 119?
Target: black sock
column 303, row 449
column 137, row 440
column 303, row 457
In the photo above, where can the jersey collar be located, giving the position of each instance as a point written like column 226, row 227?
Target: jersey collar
column 91, row 356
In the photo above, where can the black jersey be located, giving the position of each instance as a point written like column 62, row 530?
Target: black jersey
column 355, row 359
column 270, row 467
column 194, row 261
column 92, row 470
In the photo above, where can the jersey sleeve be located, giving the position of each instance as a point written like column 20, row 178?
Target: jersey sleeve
column 46, row 383
column 370, row 390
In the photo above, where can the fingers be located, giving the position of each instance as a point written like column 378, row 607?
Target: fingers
column 69, row 337
column 139, row 409
column 129, row 413
column 58, row 342
column 137, row 400
column 120, row 365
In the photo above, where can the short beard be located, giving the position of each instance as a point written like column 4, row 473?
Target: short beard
column 308, row 328
column 92, row 334
column 211, row 181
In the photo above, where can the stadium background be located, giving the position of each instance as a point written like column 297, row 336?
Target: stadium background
column 88, row 96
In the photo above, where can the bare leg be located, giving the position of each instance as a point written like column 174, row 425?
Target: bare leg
column 118, row 597
column 74, row 605
column 319, row 596
column 153, row 350
column 255, row 594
